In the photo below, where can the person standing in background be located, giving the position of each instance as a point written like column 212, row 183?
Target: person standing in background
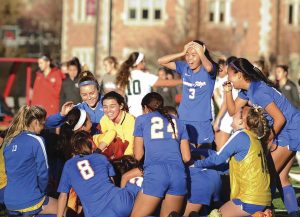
column 47, row 85
column 168, row 93
column 108, row 82
column 70, row 89
column 286, row 86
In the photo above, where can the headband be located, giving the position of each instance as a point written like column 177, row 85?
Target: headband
column 89, row 82
column 81, row 120
column 139, row 59
column 236, row 68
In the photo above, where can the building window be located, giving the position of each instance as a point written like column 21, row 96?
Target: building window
column 222, row 12
column 293, row 12
column 84, row 11
column 146, row 12
column 290, row 14
column 219, row 11
column 211, row 11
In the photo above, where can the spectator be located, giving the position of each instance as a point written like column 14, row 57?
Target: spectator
column 286, row 86
column 47, row 86
column 108, row 82
column 70, row 89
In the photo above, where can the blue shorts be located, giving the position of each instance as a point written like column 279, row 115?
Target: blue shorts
column 160, row 180
column 33, row 212
column 203, row 186
column 200, row 132
column 121, row 205
column 247, row 207
column 289, row 135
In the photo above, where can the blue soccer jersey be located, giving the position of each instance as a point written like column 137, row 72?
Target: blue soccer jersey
column 261, row 95
column 196, row 92
column 95, row 114
column 162, row 146
column 89, row 176
column 26, row 167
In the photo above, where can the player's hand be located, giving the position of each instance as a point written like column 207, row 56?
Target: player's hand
column 187, row 46
column 67, row 106
column 200, row 49
column 227, row 86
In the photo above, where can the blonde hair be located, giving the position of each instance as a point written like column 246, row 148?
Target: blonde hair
column 23, row 119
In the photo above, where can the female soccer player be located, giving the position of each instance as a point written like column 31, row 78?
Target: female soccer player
column 90, row 95
column 117, row 127
column 248, row 169
column 89, row 174
column 133, row 81
column 26, row 165
column 163, row 141
column 259, row 92
column 198, row 73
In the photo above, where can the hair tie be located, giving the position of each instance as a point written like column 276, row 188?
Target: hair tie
column 139, row 59
column 81, row 120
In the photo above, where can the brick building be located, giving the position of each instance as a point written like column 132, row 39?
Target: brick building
column 252, row 29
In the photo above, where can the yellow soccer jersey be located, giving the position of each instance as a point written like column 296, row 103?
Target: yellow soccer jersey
column 123, row 130
column 250, row 178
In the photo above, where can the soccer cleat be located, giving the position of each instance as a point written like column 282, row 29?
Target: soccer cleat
column 295, row 176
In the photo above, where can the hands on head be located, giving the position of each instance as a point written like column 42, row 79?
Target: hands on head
column 200, row 49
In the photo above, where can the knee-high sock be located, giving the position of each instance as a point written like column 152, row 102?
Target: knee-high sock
column 289, row 199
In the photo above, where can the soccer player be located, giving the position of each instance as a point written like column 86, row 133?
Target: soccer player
column 133, row 81
column 198, row 73
column 163, row 141
column 90, row 175
column 91, row 97
column 248, row 169
column 257, row 90
column 26, row 165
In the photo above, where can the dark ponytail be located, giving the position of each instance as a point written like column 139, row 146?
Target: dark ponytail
column 155, row 102
column 124, row 71
column 249, row 71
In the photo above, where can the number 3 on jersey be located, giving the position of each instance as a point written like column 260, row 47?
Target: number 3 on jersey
column 157, row 125
column 85, row 169
column 192, row 92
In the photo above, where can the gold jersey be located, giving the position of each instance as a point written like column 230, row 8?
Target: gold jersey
column 250, row 178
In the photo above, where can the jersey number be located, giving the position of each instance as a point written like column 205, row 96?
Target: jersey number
column 264, row 166
column 157, row 125
column 192, row 93
column 136, row 88
column 85, row 169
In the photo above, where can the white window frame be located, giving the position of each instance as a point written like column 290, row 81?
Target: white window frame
column 151, row 21
column 79, row 12
column 296, row 12
column 85, row 55
column 217, row 12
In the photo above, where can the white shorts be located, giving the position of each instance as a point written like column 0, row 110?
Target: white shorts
column 225, row 123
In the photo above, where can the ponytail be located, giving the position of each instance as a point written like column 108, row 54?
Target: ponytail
column 124, row 71
column 155, row 102
column 249, row 71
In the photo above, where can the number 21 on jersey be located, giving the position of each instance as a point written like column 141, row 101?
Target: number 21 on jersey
column 157, row 131
column 85, row 169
